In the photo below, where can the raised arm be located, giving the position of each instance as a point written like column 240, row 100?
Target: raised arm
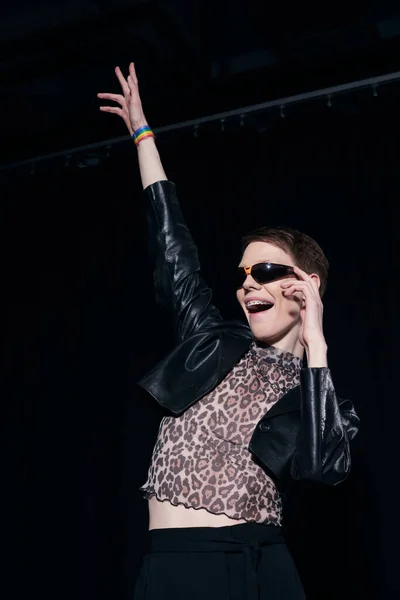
column 179, row 288
column 131, row 110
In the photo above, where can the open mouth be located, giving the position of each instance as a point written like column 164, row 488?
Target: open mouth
column 256, row 306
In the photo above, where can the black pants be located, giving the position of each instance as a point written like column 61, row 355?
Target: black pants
column 240, row 562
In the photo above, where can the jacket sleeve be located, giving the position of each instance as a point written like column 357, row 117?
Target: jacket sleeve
column 179, row 288
column 326, row 428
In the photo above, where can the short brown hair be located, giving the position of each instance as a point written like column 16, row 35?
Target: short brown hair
column 305, row 251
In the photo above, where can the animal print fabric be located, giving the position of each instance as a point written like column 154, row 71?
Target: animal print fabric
column 201, row 458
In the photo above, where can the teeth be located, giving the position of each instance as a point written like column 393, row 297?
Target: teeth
column 256, row 302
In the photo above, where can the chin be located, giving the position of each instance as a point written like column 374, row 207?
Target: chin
column 264, row 336
column 270, row 340
column 271, row 335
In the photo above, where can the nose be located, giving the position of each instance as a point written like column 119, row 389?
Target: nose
column 251, row 284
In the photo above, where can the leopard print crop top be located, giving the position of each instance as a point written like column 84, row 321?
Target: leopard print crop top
column 201, row 458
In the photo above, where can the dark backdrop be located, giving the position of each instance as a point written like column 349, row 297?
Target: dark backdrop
column 82, row 327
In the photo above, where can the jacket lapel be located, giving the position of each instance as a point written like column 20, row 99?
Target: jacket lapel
column 289, row 402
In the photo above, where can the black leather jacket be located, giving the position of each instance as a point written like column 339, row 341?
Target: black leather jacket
column 306, row 434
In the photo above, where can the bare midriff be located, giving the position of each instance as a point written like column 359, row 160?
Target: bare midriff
column 164, row 515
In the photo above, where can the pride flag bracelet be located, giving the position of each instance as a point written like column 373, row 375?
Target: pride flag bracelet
column 141, row 134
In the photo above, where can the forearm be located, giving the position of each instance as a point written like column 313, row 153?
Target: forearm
column 131, row 110
column 151, row 169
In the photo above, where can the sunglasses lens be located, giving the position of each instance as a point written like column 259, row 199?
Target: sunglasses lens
column 240, row 277
column 264, row 273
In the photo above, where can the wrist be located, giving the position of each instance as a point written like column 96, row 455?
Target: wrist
column 139, row 125
column 317, row 354
column 141, row 134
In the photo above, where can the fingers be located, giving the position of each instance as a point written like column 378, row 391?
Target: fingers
column 122, row 81
column 131, row 84
column 302, row 274
column 298, row 285
column 306, row 287
column 114, row 97
column 306, row 277
column 133, row 88
column 113, row 109
column 126, row 85
column 132, row 73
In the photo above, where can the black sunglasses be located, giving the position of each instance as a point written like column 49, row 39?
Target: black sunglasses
column 263, row 273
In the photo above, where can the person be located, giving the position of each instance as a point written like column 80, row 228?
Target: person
column 245, row 419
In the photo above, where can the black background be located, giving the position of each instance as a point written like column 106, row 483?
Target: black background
column 82, row 327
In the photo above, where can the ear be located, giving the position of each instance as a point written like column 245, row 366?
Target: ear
column 316, row 278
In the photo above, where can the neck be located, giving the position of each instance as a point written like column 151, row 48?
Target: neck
column 288, row 341
column 293, row 347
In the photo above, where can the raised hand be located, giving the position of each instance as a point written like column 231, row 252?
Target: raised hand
column 311, row 312
column 130, row 105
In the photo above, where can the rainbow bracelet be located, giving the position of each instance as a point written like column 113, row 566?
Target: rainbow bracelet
column 141, row 134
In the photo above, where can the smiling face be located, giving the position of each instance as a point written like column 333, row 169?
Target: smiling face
column 280, row 324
